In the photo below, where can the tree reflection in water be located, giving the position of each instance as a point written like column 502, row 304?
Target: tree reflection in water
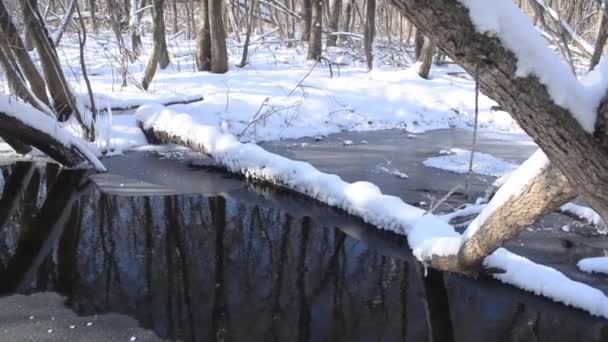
column 202, row 268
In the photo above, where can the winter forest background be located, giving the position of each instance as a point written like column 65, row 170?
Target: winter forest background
column 251, row 84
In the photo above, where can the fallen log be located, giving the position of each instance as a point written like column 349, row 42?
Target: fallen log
column 22, row 122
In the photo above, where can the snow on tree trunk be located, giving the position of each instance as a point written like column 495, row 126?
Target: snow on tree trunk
column 25, row 123
column 64, row 23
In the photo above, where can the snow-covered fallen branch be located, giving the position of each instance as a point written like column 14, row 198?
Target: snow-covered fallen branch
column 427, row 235
column 31, row 126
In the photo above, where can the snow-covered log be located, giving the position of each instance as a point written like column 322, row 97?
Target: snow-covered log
column 23, row 122
column 427, row 235
column 535, row 189
column 519, row 71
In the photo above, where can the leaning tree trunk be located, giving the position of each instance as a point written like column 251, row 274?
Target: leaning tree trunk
column 13, row 40
column 156, row 58
column 543, row 194
column 306, row 19
column 64, row 101
column 219, row 53
column 426, row 58
column 334, row 22
column 600, row 42
column 370, row 32
column 203, row 39
column 316, row 29
column 580, row 156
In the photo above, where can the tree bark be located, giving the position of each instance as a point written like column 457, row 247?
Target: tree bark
column 13, row 40
column 334, row 22
column 316, row 29
column 370, row 33
column 579, row 156
column 306, row 19
column 348, row 11
column 418, row 44
column 219, row 53
column 158, row 56
column 15, row 129
column 63, row 100
column 426, row 58
column 600, row 42
column 203, row 39
column 545, row 193
column 134, row 28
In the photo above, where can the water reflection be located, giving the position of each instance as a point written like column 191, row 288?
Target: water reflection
column 242, row 268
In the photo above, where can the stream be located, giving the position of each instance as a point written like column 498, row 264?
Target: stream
column 195, row 254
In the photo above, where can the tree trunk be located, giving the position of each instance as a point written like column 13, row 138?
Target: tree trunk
column 63, row 100
column 249, row 15
column 426, row 58
column 544, row 193
column 306, row 20
column 347, row 17
column 134, row 28
column 600, row 42
column 370, row 32
column 334, row 23
column 577, row 154
column 156, row 58
column 418, row 44
column 13, row 128
column 316, row 29
column 8, row 29
column 219, row 53
column 67, row 16
column 203, row 39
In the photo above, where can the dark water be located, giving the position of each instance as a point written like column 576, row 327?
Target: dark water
column 250, row 264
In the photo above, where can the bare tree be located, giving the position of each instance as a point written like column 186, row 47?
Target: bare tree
column 334, row 22
column 306, row 20
column 211, row 54
column 160, row 55
column 370, row 33
column 316, row 29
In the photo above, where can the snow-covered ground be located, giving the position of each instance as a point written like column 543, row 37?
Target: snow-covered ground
column 280, row 94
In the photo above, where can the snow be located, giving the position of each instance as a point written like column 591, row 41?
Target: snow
column 275, row 86
column 594, row 265
column 513, row 186
column 457, row 160
column 428, row 235
column 502, row 18
column 34, row 118
column 585, row 213
column 548, row 282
